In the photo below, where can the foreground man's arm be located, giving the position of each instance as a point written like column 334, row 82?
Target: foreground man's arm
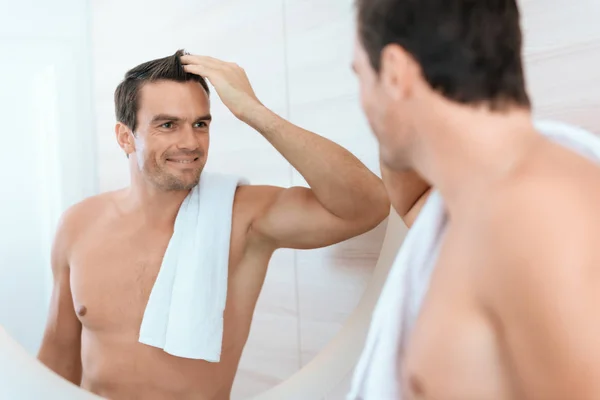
column 61, row 345
column 542, row 293
column 345, row 199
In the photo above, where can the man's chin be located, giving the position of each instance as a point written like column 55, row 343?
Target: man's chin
column 175, row 183
column 180, row 186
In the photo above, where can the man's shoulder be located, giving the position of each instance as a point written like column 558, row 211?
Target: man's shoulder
column 75, row 221
column 538, row 228
column 253, row 202
column 253, row 198
column 539, row 208
column 82, row 213
column 545, row 197
column 556, row 186
column 539, row 222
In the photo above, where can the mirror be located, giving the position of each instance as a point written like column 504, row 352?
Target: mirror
column 313, row 310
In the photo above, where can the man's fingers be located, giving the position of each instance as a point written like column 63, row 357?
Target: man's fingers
column 191, row 59
column 202, row 60
column 209, row 62
column 199, row 69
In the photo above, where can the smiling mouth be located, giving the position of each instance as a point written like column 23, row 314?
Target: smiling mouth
column 183, row 161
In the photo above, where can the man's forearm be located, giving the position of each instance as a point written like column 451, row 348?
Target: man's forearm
column 341, row 183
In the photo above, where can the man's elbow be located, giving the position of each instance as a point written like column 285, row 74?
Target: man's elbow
column 381, row 207
column 376, row 210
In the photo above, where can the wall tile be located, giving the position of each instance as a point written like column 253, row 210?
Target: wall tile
column 271, row 354
column 319, row 49
column 331, row 282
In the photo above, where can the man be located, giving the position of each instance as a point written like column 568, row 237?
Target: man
column 108, row 249
column 511, row 310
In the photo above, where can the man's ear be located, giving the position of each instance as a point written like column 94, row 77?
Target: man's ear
column 125, row 138
column 397, row 72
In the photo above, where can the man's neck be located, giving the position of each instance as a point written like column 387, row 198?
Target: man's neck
column 155, row 205
column 462, row 150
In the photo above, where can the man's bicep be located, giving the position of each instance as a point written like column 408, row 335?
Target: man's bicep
column 62, row 318
column 60, row 348
column 294, row 218
column 62, row 323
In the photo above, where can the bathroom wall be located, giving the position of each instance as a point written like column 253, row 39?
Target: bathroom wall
column 47, row 161
column 297, row 54
column 562, row 53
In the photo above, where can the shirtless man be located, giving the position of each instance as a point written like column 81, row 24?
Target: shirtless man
column 511, row 312
column 108, row 249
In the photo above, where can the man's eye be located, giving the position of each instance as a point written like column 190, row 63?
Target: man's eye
column 200, row 125
column 167, row 125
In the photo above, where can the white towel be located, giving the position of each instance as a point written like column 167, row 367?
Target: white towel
column 184, row 314
column 377, row 374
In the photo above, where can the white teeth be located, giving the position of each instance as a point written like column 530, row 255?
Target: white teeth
column 183, row 161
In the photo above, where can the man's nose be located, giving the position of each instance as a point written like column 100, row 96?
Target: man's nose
column 188, row 139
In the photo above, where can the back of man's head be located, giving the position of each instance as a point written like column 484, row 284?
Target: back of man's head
column 468, row 50
column 127, row 93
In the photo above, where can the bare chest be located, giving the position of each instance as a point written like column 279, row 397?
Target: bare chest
column 112, row 277
column 114, row 270
column 453, row 351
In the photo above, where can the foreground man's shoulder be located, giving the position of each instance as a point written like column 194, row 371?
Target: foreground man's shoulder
column 541, row 224
column 547, row 199
column 534, row 238
column 539, row 209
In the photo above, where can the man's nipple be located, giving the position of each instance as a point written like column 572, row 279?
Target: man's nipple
column 81, row 311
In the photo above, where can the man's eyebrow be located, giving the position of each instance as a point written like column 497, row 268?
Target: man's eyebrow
column 206, row 117
column 165, row 117
column 168, row 117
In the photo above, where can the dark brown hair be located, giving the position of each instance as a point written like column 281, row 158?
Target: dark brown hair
column 127, row 93
column 468, row 50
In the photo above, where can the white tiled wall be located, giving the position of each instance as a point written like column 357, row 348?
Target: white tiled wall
column 297, row 54
column 562, row 48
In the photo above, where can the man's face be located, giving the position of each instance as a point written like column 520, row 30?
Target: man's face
column 385, row 108
column 172, row 137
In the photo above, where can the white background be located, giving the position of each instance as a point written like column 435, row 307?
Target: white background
column 47, row 159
